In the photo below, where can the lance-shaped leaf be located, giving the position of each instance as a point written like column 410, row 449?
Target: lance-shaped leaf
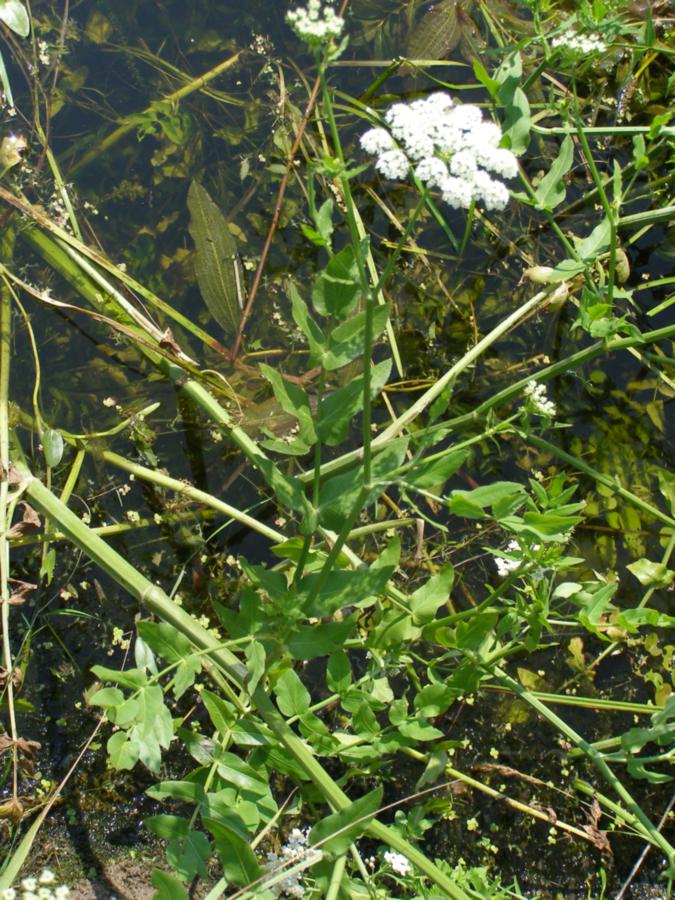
column 216, row 263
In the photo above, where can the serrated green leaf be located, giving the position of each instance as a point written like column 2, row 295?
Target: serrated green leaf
column 437, row 32
column 312, row 641
column 107, row 697
column 346, row 341
column 337, row 288
column 338, row 672
column 130, row 678
column 154, row 729
column 221, row 712
column 217, row 266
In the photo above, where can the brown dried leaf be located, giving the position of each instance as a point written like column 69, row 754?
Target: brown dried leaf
column 596, row 836
column 12, row 809
column 30, row 521
column 15, row 477
column 26, row 749
column 17, row 678
column 168, row 342
column 20, row 594
column 507, row 772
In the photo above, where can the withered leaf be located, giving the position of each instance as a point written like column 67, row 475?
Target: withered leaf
column 17, row 678
column 168, row 342
column 12, row 809
column 26, row 749
column 21, row 591
column 14, row 476
column 30, row 521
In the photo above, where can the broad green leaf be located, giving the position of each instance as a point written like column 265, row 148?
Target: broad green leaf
column 15, row 16
column 293, row 400
column 143, row 656
column 339, row 493
column 337, row 410
column 434, row 699
column 107, row 697
column 427, row 599
column 436, row 472
column 311, row 641
column 122, row 752
column 551, row 189
column 302, row 318
column 472, row 504
column 168, row 887
column 217, row 267
column 221, row 712
column 188, row 854
column 238, row 860
column 154, row 729
column 292, row 696
column 334, row 834
column 346, row 587
column 419, row 730
column 52, row 447
column 651, row 574
column 185, row 791
column 337, row 288
column 167, row 641
column 338, row 672
column 517, row 122
column 167, row 826
column 130, row 678
column 255, row 663
column 346, row 341
column 240, row 774
column 126, row 713
column 596, row 242
column 633, row 619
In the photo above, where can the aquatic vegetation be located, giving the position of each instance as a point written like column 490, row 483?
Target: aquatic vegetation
column 368, row 634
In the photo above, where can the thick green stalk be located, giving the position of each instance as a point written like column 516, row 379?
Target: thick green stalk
column 157, row 602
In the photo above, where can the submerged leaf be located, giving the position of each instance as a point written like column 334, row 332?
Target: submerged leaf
column 216, row 264
column 437, row 33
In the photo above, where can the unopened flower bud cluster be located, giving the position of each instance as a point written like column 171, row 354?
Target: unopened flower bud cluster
column 450, row 146
column 398, row 862
column 537, row 400
column 579, row 43
column 316, row 23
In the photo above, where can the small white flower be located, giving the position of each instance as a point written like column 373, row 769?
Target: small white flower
column 537, row 400
column 61, row 892
column 8, row 894
column 579, row 43
column 377, row 140
column 449, row 146
column 315, row 24
column 393, row 164
column 398, row 862
column 506, row 566
column 431, row 170
column 29, row 884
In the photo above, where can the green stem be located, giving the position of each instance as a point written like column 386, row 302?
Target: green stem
column 158, row 603
column 642, row 821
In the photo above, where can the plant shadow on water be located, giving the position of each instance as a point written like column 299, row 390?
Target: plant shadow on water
column 492, row 791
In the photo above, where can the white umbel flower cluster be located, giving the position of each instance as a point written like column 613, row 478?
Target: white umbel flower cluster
column 448, row 145
column 294, row 850
column 579, row 43
column 398, row 862
column 41, row 888
column 537, row 400
column 316, row 23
